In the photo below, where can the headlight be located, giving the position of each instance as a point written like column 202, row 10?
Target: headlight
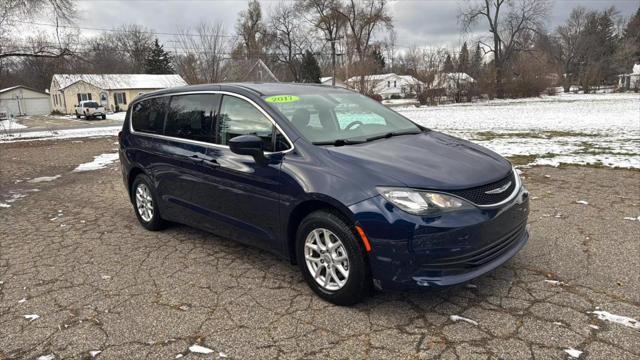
column 422, row 202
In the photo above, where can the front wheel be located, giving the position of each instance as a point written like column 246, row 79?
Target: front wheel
column 104, row 117
column 145, row 204
column 331, row 259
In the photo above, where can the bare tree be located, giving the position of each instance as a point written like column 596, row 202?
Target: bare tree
column 508, row 22
column 15, row 12
column 204, row 53
column 252, row 31
column 136, row 43
column 568, row 37
column 389, row 46
column 326, row 15
column 288, row 37
column 362, row 18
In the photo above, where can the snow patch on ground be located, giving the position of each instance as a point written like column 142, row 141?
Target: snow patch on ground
column 591, row 129
column 456, row 318
column 99, row 162
column 10, row 124
column 44, row 179
column 46, row 357
column 619, row 319
column 60, row 134
column 31, row 317
column 195, row 348
column 573, row 352
column 119, row 116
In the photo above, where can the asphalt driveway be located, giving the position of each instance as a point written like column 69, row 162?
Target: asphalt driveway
column 73, row 254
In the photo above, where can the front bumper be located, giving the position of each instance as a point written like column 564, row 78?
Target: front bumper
column 410, row 251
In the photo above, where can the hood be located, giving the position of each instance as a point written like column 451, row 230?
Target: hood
column 430, row 160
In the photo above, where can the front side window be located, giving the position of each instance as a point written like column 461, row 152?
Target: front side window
column 328, row 116
column 192, row 117
column 148, row 115
column 239, row 117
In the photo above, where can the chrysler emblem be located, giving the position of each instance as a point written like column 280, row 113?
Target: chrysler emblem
column 500, row 189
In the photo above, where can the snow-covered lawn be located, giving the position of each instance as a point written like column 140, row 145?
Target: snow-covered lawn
column 598, row 129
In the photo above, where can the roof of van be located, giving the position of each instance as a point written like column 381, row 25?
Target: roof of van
column 259, row 89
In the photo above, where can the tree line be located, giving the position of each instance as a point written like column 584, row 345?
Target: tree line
column 302, row 40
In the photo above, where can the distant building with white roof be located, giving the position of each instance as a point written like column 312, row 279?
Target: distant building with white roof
column 22, row 100
column 630, row 81
column 113, row 91
column 326, row 80
column 388, row 85
column 452, row 82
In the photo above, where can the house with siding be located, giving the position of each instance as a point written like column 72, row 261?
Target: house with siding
column 388, row 85
column 113, row 91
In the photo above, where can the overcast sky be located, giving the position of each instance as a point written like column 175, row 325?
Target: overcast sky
column 417, row 22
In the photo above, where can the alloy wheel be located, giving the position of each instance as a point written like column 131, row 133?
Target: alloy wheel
column 326, row 259
column 144, row 202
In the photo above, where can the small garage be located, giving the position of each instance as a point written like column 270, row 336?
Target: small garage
column 22, row 100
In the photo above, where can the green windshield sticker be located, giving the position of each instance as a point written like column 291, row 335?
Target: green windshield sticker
column 282, row 99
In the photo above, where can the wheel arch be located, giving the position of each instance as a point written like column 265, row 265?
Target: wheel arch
column 306, row 207
column 133, row 173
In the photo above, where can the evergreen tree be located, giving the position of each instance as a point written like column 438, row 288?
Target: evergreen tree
column 463, row 59
column 158, row 61
column 309, row 68
column 628, row 53
column 448, row 65
column 378, row 60
column 476, row 63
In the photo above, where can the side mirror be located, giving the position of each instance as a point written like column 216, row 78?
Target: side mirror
column 248, row 145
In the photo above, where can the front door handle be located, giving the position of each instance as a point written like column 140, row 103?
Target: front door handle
column 202, row 160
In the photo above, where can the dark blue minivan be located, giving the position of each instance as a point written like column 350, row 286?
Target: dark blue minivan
column 357, row 195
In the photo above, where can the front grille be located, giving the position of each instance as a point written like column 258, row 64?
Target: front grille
column 478, row 195
column 480, row 256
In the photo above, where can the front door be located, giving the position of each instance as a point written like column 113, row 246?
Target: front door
column 244, row 194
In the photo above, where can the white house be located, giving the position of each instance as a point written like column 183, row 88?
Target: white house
column 22, row 100
column 452, row 82
column 113, row 91
column 630, row 81
column 326, row 80
column 388, row 85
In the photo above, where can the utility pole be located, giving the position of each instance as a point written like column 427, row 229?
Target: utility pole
column 333, row 57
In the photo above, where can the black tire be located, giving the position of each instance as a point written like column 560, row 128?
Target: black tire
column 359, row 283
column 156, row 222
column 77, row 116
column 104, row 117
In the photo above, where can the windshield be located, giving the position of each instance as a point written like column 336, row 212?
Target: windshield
column 93, row 105
column 339, row 117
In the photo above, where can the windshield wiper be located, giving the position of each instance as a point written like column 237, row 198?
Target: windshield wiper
column 339, row 142
column 393, row 133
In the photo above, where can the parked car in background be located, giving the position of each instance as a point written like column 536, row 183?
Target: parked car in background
column 354, row 193
column 90, row 110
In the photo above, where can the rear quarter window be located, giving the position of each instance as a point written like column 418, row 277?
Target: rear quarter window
column 148, row 115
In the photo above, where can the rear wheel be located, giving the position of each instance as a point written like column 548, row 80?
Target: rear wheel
column 104, row 117
column 331, row 259
column 145, row 204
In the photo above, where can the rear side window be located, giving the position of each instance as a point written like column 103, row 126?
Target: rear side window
column 192, row 117
column 148, row 115
column 239, row 117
